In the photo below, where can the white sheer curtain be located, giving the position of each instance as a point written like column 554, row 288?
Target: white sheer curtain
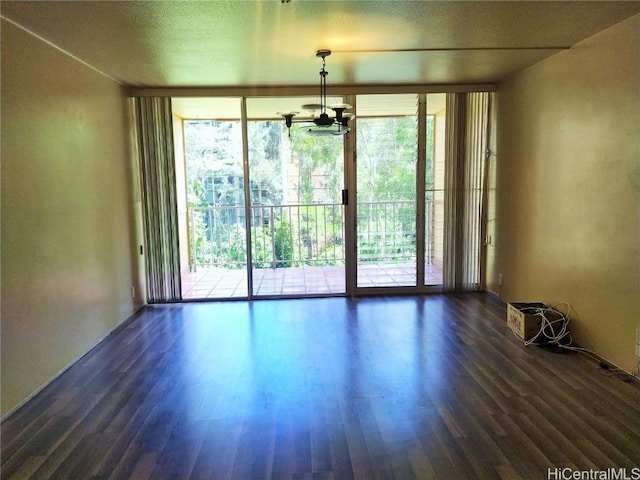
column 467, row 132
column 154, row 135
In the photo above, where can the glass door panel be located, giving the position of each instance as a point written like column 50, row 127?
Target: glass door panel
column 434, row 188
column 387, row 153
column 297, row 216
column 212, row 225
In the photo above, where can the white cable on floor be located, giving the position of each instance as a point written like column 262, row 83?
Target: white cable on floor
column 554, row 331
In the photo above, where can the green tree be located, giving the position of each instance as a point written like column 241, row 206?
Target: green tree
column 213, row 152
column 319, row 157
column 265, row 146
column 387, row 158
column 283, row 241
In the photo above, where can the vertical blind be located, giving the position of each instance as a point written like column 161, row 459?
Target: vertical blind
column 154, row 133
column 465, row 159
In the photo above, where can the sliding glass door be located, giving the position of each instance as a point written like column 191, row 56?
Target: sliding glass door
column 400, row 190
column 387, row 155
column 262, row 209
column 297, row 216
column 291, row 187
column 434, row 186
column 212, row 220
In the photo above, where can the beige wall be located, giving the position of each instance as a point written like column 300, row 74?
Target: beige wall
column 567, row 221
column 68, row 224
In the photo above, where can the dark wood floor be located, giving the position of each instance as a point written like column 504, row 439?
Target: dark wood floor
column 395, row 387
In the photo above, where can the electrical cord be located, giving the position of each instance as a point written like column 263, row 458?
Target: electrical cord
column 554, row 326
column 554, row 332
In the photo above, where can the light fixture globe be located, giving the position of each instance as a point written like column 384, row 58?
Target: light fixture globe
column 327, row 131
column 322, row 124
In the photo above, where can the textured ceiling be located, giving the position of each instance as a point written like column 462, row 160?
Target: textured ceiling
column 270, row 43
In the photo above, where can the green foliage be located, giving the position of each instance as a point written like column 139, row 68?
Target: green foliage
column 214, row 162
column 387, row 162
column 283, row 243
column 261, row 247
column 321, row 234
column 311, row 233
column 387, row 156
column 431, row 130
column 318, row 157
column 265, row 147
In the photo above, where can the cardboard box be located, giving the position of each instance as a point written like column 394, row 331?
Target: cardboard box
column 524, row 325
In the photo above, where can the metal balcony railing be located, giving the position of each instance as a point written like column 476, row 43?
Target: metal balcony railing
column 304, row 235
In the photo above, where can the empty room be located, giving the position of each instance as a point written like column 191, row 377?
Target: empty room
column 316, row 239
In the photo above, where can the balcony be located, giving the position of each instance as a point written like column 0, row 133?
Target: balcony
column 299, row 249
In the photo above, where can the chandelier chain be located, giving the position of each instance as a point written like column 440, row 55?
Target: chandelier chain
column 323, row 124
column 323, row 86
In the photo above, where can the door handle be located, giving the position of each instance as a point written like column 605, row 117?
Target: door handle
column 345, row 197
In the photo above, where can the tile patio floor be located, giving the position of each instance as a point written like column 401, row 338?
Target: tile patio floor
column 212, row 282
